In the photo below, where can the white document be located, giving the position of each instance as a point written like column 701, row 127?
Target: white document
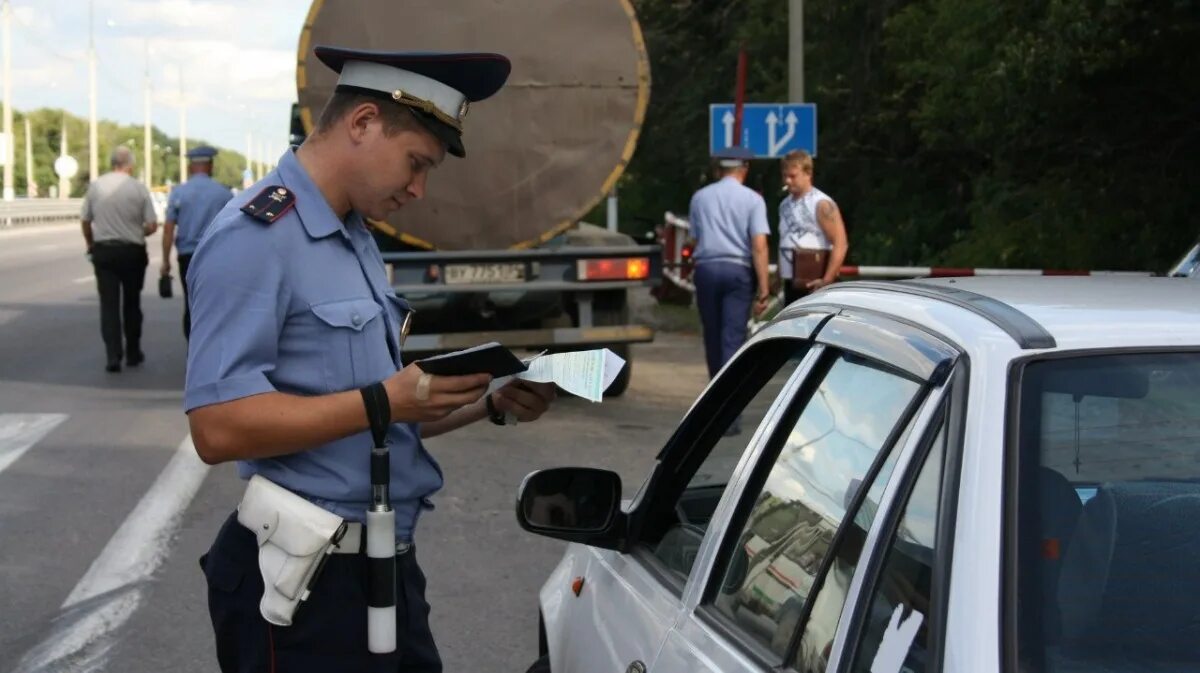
column 897, row 640
column 586, row 374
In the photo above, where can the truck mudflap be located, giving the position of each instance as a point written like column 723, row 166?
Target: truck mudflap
column 555, row 338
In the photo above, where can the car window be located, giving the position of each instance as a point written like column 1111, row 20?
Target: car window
column 1108, row 514
column 778, row 553
column 694, row 508
column 896, row 633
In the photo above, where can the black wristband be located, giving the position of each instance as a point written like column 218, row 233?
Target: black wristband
column 379, row 412
column 494, row 415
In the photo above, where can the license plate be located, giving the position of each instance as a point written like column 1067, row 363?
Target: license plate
column 461, row 274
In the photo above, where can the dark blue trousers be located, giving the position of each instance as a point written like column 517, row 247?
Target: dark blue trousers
column 724, row 293
column 328, row 631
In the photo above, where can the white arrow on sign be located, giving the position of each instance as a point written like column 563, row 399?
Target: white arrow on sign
column 772, row 130
column 728, row 120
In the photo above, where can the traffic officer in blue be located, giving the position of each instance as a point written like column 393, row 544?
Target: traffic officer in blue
column 728, row 221
column 294, row 319
column 190, row 208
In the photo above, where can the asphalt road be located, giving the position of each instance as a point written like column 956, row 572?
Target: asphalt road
column 104, row 508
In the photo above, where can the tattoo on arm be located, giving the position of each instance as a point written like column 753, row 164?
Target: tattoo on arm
column 825, row 212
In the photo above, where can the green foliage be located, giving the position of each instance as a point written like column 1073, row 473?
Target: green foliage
column 1027, row 133
column 46, row 129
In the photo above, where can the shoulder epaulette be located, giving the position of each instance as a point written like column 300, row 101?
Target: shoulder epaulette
column 270, row 204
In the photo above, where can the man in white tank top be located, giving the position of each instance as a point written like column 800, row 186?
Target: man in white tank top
column 808, row 219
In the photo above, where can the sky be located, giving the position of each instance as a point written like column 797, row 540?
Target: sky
column 236, row 58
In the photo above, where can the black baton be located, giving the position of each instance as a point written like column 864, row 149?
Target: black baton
column 381, row 529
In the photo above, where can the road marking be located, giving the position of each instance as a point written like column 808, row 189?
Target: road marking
column 112, row 589
column 19, row 432
column 8, row 315
column 84, row 279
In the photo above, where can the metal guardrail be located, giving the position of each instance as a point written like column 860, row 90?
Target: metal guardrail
column 31, row 211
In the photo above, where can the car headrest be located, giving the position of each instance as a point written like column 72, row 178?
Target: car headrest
column 1130, row 576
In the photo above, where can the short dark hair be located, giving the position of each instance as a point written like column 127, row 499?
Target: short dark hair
column 395, row 117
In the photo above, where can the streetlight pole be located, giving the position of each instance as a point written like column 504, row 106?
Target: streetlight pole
column 148, row 171
column 93, row 143
column 9, row 190
column 796, row 51
column 182, row 131
column 30, row 186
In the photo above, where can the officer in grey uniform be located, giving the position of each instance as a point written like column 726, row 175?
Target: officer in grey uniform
column 728, row 220
column 294, row 319
column 190, row 208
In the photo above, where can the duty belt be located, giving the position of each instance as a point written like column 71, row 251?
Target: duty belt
column 354, row 542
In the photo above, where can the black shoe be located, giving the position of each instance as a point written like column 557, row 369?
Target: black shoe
column 113, row 366
column 136, row 358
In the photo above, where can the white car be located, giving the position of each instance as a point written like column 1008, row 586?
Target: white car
column 969, row 476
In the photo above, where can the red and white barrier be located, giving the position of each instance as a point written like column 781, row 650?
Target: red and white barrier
column 677, row 264
column 958, row 272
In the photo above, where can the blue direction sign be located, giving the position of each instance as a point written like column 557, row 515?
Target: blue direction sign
column 770, row 130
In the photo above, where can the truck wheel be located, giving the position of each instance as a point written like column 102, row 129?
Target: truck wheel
column 612, row 308
column 540, row 666
column 619, row 384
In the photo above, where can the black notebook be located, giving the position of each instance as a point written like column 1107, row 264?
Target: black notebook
column 489, row 358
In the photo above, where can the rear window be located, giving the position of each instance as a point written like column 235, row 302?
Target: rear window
column 1108, row 514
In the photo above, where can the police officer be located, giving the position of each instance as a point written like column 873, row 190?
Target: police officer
column 728, row 220
column 293, row 317
column 190, row 208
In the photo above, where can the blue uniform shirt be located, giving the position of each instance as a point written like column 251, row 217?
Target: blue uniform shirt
column 303, row 306
column 723, row 217
column 192, row 206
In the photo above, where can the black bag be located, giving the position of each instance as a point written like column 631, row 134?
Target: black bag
column 164, row 286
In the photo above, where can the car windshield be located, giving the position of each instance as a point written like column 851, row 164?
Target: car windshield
column 1108, row 514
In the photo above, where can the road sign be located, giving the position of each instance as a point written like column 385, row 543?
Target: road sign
column 65, row 166
column 770, row 130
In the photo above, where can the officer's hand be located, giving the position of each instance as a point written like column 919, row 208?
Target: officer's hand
column 446, row 394
column 816, row 284
column 150, row 228
column 524, row 399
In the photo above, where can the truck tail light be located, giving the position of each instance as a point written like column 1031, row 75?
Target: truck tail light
column 627, row 268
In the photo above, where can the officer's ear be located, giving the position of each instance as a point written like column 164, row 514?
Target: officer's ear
column 358, row 121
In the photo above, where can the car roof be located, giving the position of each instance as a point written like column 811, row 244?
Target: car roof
column 1078, row 312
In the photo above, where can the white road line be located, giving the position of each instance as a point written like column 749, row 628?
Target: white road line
column 112, row 589
column 84, row 279
column 19, row 432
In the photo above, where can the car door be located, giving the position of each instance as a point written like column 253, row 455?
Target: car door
column 781, row 563
column 628, row 601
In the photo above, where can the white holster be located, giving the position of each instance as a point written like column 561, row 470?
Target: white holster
column 294, row 538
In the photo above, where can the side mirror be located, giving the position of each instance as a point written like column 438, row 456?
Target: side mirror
column 577, row 504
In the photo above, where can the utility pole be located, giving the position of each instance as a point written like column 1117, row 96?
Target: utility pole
column 182, row 131
column 31, row 188
column 148, row 170
column 64, row 183
column 796, row 51
column 10, row 140
column 93, row 142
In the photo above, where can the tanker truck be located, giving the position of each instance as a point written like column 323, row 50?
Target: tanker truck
column 497, row 250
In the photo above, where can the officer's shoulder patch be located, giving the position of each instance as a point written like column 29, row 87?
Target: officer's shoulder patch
column 270, row 204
